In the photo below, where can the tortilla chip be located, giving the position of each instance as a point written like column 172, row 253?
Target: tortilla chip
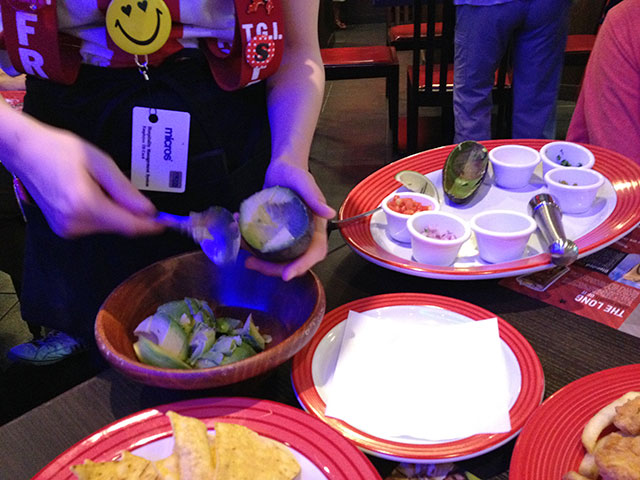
column 191, row 447
column 129, row 467
column 167, row 468
column 242, row 454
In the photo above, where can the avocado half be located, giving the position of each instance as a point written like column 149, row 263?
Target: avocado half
column 276, row 224
column 464, row 171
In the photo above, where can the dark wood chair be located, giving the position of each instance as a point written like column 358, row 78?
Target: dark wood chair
column 378, row 61
column 430, row 76
column 586, row 18
column 401, row 36
column 579, row 48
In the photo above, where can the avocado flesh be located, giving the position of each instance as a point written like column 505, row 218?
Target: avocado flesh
column 164, row 332
column 175, row 309
column 192, row 340
column 251, row 334
column 276, row 224
column 202, row 339
column 226, row 324
column 241, row 352
column 152, row 354
column 209, row 359
column 261, row 227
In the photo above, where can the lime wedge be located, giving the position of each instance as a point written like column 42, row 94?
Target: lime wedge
column 417, row 182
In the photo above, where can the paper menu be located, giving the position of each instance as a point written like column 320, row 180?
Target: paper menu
column 416, row 377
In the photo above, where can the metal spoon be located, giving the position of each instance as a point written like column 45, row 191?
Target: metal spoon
column 214, row 229
column 427, row 188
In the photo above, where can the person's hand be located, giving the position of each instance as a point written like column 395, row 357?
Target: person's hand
column 303, row 183
column 79, row 188
column 11, row 83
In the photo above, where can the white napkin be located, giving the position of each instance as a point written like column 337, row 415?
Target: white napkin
column 428, row 381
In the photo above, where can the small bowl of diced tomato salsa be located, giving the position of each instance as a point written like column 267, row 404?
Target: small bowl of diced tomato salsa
column 399, row 206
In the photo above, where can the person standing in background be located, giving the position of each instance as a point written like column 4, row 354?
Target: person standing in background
column 537, row 29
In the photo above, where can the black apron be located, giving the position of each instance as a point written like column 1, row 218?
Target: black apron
column 66, row 281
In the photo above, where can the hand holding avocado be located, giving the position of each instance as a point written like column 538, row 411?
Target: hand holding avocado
column 302, row 190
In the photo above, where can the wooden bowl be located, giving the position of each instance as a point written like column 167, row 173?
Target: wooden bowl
column 290, row 312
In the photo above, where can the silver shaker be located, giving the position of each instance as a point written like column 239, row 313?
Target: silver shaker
column 548, row 216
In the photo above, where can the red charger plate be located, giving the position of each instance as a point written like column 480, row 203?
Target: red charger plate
column 550, row 445
column 329, row 452
column 623, row 173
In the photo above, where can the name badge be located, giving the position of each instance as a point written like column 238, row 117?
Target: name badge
column 159, row 149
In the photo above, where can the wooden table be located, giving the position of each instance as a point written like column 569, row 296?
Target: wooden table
column 568, row 346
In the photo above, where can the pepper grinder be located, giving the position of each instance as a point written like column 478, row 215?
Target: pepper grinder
column 548, row 216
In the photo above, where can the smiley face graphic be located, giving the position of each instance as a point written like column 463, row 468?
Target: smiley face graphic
column 138, row 27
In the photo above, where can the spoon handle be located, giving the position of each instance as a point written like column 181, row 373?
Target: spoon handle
column 194, row 225
column 179, row 222
column 334, row 224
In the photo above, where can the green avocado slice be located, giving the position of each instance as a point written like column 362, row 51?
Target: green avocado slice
column 251, row 334
column 241, row 352
column 152, row 354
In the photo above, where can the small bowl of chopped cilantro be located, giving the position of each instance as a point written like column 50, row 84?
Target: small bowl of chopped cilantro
column 565, row 154
column 574, row 189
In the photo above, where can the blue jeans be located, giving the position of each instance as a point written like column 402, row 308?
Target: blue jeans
column 538, row 29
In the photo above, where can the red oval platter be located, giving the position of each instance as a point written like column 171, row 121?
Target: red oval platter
column 623, row 174
column 528, row 399
column 549, row 445
column 332, row 454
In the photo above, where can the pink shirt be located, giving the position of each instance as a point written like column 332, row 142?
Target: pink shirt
column 608, row 109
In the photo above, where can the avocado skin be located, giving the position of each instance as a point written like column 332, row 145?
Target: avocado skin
column 467, row 152
column 293, row 251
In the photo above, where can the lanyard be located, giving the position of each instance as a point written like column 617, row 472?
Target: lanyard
column 257, row 48
column 34, row 44
column 36, row 47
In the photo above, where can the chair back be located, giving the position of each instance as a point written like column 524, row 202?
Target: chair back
column 435, row 50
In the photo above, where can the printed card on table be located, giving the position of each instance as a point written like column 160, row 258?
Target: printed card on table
column 604, row 286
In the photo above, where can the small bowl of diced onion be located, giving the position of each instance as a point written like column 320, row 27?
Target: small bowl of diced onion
column 436, row 237
column 400, row 206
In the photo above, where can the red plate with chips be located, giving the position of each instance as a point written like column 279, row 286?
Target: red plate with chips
column 321, row 452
